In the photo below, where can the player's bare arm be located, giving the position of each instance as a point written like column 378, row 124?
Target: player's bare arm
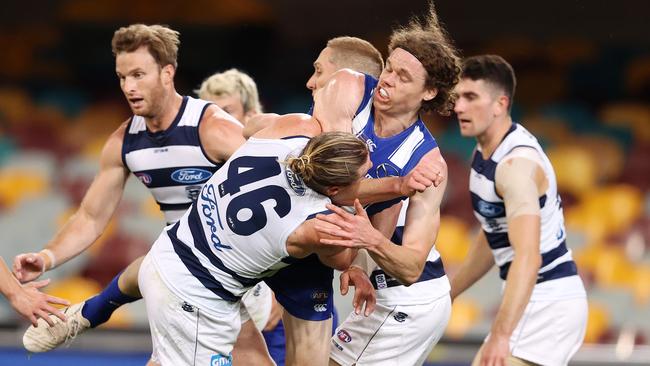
column 220, row 134
column 258, row 122
column 90, row 220
column 478, row 262
column 306, row 240
column 430, row 171
column 404, row 262
column 519, row 180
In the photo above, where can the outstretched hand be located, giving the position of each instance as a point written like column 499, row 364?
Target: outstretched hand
column 33, row 304
column 348, row 230
column 364, row 293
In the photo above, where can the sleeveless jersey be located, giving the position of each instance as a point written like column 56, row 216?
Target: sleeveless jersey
column 489, row 209
column 396, row 156
column 171, row 163
column 236, row 232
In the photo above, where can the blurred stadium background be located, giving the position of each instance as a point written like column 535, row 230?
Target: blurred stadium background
column 583, row 71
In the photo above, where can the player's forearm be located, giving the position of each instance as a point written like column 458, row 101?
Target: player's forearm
column 475, row 266
column 364, row 261
column 400, row 262
column 521, row 279
column 79, row 233
column 371, row 191
column 341, row 260
column 523, row 234
column 9, row 285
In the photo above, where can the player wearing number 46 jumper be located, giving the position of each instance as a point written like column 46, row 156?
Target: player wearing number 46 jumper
column 253, row 217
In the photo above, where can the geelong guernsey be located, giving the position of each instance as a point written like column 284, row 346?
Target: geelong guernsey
column 489, row 209
column 236, row 232
column 171, row 163
column 396, row 156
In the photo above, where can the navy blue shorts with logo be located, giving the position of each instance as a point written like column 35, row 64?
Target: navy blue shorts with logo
column 304, row 289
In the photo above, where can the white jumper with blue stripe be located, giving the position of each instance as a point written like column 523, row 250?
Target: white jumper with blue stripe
column 171, row 163
column 557, row 277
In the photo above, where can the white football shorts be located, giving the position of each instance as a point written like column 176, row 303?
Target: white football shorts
column 392, row 335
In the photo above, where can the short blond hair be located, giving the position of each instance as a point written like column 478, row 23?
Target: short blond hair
column 232, row 82
column 161, row 41
column 356, row 54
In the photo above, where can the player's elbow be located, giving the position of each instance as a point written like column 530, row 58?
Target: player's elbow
column 340, row 261
column 410, row 276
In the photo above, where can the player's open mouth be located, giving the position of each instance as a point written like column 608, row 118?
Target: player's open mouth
column 136, row 102
column 383, row 93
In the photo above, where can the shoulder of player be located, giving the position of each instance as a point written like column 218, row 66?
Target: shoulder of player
column 522, row 167
column 216, row 121
column 112, row 151
column 289, row 125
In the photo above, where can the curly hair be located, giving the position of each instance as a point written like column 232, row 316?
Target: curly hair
column 428, row 41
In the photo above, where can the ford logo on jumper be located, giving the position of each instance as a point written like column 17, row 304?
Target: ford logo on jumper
column 190, row 175
column 488, row 209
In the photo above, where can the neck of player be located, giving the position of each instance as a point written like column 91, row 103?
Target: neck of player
column 171, row 105
column 390, row 124
column 490, row 139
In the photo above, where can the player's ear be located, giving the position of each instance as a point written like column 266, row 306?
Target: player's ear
column 430, row 94
column 332, row 191
column 167, row 74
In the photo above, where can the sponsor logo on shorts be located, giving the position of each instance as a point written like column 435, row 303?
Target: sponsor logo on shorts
column 221, row 360
column 338, row 346
column 144, row 178
column 319, row 295
column 190, row 175
column 344, row 336
column 400, row 317
column 381, row 281
column 320, row 308
column 187, row 307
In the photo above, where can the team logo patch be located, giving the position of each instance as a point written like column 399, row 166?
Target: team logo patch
column 381, row 281
column 400, row 317
column 295, row 182
column 187, row 307
column 488, row 209
column 144, row 178
column 387, row 170
column 190, row 175
column 344, row 336
column 221, row 360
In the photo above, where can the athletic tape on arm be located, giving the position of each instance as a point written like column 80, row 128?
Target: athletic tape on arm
column 515, row 181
